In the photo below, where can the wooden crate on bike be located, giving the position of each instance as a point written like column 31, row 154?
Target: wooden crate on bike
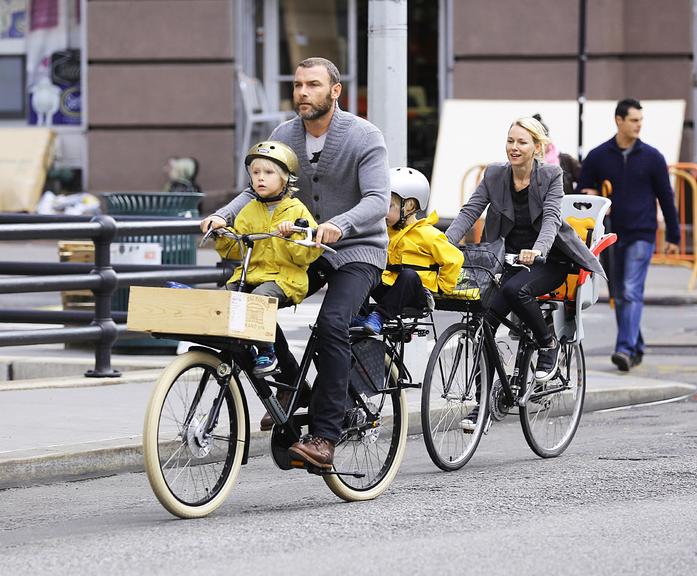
column 202, row 312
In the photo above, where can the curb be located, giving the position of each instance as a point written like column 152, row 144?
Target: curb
column 662, row 299
column 79, row 462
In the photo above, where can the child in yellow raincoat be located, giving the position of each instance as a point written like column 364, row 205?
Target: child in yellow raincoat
column 277, row 268
column 420, row 259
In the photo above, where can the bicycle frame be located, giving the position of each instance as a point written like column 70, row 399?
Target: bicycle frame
column 515, row 388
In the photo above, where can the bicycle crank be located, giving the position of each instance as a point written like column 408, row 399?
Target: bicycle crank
column 498, row 409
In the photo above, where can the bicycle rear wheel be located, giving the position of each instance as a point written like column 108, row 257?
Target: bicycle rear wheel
column 552, row 415
column 456, row 379
column 372, row 449
column 190, row 471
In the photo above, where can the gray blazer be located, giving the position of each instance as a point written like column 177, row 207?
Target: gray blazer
column 546, row 193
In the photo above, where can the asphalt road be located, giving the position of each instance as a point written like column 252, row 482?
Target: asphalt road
column 621, row 500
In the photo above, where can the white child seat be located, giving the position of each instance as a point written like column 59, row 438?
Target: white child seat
column 584, row 214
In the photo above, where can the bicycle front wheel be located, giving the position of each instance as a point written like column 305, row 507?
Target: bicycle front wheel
column 191, row 469
column 456, row 381
column 370, row 452
column 552, row 415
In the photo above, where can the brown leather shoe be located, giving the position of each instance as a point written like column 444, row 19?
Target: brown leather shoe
column 283, row 397
column 314, row 450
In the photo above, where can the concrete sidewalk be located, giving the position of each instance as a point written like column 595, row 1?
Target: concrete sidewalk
column 58, row 425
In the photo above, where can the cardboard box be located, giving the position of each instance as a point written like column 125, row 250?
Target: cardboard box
column 202, row 312
column 25, row 156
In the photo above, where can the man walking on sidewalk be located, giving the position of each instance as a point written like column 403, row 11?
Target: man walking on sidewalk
column 639, row 176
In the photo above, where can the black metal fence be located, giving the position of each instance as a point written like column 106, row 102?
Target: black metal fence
column 101, row 325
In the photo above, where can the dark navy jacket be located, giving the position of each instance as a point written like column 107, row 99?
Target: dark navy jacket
column 636, row 184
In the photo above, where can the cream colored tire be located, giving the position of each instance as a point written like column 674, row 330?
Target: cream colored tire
column 396, row 425
column 187, row 370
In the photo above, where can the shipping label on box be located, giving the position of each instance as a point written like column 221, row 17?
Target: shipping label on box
column 202, row 312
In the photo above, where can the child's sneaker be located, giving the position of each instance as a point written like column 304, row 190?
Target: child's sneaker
column 373, row 323
column 266, row 362
column 469, row 423
column 358, row 321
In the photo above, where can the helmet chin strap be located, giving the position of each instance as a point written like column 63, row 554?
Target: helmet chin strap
column 402, row 222
column 266, row 200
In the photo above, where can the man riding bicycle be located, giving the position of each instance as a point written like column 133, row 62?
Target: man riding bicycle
column 344, row 181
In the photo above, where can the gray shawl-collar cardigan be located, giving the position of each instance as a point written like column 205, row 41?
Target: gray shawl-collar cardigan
column 348, row 187
column 545, row 195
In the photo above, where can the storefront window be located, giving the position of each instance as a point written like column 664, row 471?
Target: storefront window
column 13, row 18
column 53, row 63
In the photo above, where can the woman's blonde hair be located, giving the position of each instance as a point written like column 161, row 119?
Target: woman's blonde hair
column 264, row 163
column 537, row 131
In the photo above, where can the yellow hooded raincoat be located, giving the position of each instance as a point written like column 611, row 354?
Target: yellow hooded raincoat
column 421, row 244
column 273, row 260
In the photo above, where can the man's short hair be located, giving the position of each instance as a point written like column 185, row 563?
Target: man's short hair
column 332, row 70
column 623, row 107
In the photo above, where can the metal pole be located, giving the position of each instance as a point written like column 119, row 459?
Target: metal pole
column 446, row 60
column 102, row 300
column 694, row 86
column 387, row 74
column 582, row 59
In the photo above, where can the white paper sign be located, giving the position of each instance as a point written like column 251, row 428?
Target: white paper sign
column 238, row 312
column 473, row 133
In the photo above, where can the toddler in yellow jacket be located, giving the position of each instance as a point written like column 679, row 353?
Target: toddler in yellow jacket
column 420, row 259
column 277, row 268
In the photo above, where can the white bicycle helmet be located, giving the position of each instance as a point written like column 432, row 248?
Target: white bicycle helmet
column 407, row 182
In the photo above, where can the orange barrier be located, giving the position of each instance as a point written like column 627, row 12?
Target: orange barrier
column 685, row 174
column 478, row 227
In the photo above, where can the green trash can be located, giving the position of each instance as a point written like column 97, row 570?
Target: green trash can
column 176, row 248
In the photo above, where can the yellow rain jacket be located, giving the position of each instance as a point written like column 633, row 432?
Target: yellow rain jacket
column 422, row 245
column 273, row 260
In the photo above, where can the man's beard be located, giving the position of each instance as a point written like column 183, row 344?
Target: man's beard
column 315, row 112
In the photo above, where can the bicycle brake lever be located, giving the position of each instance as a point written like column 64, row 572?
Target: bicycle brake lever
column 210, row 232
column 313, row 244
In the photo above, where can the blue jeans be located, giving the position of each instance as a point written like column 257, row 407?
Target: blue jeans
column 630, row 266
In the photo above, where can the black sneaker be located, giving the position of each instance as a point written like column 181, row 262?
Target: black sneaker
column 622, row 361
column 469, row 423
column 637, row 359
column 547, row 361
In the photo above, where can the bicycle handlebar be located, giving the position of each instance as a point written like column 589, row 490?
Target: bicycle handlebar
column 512, row 259
column 307, row 241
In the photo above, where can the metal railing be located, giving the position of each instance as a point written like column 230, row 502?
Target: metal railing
column 101, row 278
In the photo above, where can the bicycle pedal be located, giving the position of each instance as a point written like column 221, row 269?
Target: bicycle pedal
column 323, row 472
column 406, row 384
column 297, row 464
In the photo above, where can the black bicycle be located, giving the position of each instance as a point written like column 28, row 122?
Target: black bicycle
column 197, row 433
column 470, row 369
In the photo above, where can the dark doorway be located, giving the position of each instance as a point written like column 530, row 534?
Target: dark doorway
column 422, row 82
